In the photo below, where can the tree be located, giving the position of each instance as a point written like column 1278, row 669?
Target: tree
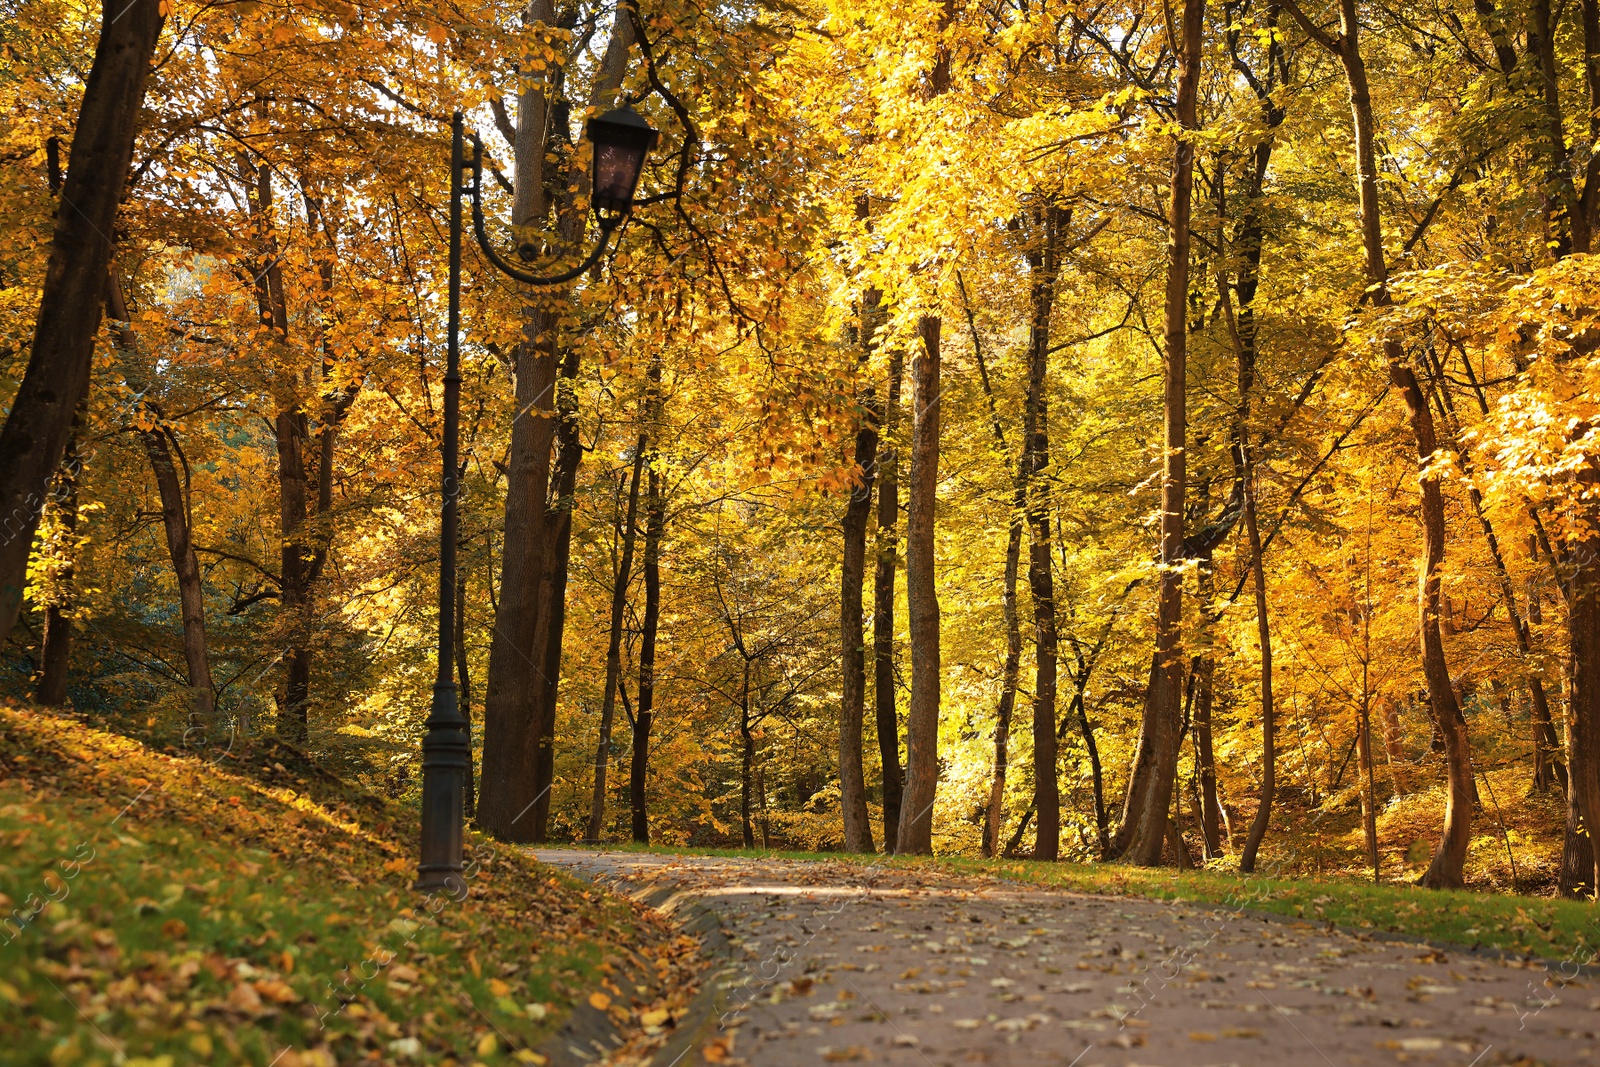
column 1150, row 782
column 852, row 636
column 39, row 422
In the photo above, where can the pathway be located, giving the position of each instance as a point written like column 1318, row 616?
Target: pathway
column 842, row 961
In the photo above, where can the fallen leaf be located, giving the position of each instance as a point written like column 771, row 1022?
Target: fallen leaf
column 599, row 1001
column 245, row 998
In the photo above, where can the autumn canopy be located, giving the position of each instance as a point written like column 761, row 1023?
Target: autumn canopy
column 1165, row 433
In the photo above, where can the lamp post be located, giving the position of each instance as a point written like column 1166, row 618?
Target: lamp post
column 621, row 141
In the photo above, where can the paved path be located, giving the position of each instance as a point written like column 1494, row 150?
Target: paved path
column 844, row 961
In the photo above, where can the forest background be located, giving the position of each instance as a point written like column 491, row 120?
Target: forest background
column 1208, row 392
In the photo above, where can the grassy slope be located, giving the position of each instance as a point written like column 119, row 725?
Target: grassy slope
column 1553, row 929
column 238, row 910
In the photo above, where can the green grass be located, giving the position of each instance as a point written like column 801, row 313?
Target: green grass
column 1566, row 930
column 1553, row 929
column 226, row 916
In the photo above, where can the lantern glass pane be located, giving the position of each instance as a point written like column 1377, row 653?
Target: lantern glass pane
column 616, row 172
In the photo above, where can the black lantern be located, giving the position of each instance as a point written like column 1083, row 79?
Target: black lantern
column 621, row 141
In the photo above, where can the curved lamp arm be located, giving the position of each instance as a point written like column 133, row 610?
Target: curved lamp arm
column 608, row 223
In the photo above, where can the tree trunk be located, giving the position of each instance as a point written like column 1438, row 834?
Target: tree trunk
column 191, row 592
column 510, row 733
column 1445, row 872
column 852, row 654
column 1155, row 766
column 177, row 519
column 55, row 655
column 994, row 812
column 654, row 523
column 551, row 614
column 1369, row 799
column 1583, row 725
column 1205, row 758
column 619, row 604
column 1566, row 222
column 57, row 377
column 291, row 433
column 747, row 756
column 1258, row 826
column 1547, row 769
column 994, row 815
column 883, row 687
column 1036, row 452
column 525, row 651
column 922, row 725
column 1577, row 879
column 463, row 680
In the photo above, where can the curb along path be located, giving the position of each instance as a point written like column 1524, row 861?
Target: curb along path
column 831, row 961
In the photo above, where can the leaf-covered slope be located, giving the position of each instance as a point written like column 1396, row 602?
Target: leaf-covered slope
column 172, row 909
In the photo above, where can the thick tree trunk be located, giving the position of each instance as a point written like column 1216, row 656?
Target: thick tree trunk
column 1579, row 874
column 922, row 726
column 551, row 618
column 654, row 523
column 619, row 604
column 1041, row 583
column 507, row 791
column 1155, row 766
column 55, row 654
column 852, row 638
column 883, row 659
column 57, row 377
column 1577, row 878
column 1583, row 764
column 525, row 651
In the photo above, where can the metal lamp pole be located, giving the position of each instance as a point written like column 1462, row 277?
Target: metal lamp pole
column 621, row 141
column 446, row 752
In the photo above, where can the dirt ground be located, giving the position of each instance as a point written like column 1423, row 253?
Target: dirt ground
column 841, row 961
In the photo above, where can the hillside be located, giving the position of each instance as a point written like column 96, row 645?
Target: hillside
column 251, row 909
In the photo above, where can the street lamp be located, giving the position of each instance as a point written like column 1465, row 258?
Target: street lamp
column 621, row 141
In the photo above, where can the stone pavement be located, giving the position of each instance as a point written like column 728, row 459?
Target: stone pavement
column 845, row 961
